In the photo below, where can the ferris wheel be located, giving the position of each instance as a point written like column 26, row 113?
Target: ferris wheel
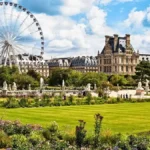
column 20, row 32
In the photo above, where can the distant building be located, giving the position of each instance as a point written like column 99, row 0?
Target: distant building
column 144, row 57
column 82, row 64
column 63, row 63
column 37, row 63
column 118, row 56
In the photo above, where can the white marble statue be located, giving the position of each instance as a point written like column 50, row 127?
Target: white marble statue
column 63, row 83
column 88, row 87
column 14, row 86
column 29, row 87
column 147, row 86
column 5, row 85
column 95, row 87
column 147, row 83
column 41, row 82
column 139, row 85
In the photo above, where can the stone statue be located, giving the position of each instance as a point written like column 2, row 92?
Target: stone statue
column 29, row 87
column 63, row 83
column 95, row 87
column 147, row 86
column 41, row 82
column 139, row 85
column 14, row 86
column 5, row 85
column 147, row 83
column 140, row 89
column 88, row 87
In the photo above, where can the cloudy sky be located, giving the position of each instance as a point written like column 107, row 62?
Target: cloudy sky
column 78, row 27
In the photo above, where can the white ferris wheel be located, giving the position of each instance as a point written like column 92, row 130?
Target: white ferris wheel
column 20, row 32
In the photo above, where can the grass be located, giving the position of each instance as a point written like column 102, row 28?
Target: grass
column 123, row 118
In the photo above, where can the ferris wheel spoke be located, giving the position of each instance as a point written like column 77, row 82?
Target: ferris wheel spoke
column 5, row 19
column 18, row 48
column 23, row 30
column 18, row 17
column 33, row 47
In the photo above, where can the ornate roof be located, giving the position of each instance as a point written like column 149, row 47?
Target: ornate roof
column 84, row 61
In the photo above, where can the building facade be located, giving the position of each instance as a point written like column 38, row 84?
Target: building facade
column 27, row 62
column 82, row 64
column 118, row 56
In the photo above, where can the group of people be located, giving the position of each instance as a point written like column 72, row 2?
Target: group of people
column 125, row 96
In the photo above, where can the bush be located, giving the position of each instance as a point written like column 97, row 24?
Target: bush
column 88, row 98
column 11, row 103
column 23, row 102
column 111, row 101
column 20, row 142
column 5, row 141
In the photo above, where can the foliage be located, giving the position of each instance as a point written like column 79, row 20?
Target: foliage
column 11, row 103
column 118, row 80
column 58, row 75
column 5, row 140
column 24, row 80
column 88, row 98
column 34, row 74
column 6, row 74
column 143, row 71
column 80, row 133
column 98, row 123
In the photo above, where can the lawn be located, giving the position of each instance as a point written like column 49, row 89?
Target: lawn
column 124, row 118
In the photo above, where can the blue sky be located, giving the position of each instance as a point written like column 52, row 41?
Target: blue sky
column 78, row 27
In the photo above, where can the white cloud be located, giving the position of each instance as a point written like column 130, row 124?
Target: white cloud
column 135, row 19
column 97, row 21
column 73, row 7
column 60, row 45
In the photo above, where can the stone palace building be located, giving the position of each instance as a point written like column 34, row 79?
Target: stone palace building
column 118, row 56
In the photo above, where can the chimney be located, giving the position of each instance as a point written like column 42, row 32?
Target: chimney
column 127, row 40
column 115, row 41
column 106, row 39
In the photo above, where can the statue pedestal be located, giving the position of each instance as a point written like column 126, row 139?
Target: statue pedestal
column 4, row 92
column 139, row 91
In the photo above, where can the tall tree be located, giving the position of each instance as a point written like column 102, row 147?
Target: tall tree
column 143, row 71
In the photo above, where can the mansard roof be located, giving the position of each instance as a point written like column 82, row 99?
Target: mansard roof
column 84, row 61
column 57, row 62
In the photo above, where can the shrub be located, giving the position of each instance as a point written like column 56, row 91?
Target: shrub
column 71, row 99
column 80, row 133
column 88, row 98
column 23, row 102
column 5, row 141
column 11, row 103
column 51, row 133
column 97, row 128
column 20, row 142
column 35, row 138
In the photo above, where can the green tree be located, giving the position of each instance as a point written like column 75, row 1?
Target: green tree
column 6, row 74
column 58, row 75
column 93, row 78
column 74, row 78
column 24, row 80
column 143, row 71
column 34, row 74
column 118, row 79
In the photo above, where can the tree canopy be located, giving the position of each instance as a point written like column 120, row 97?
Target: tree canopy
column 143, row 71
